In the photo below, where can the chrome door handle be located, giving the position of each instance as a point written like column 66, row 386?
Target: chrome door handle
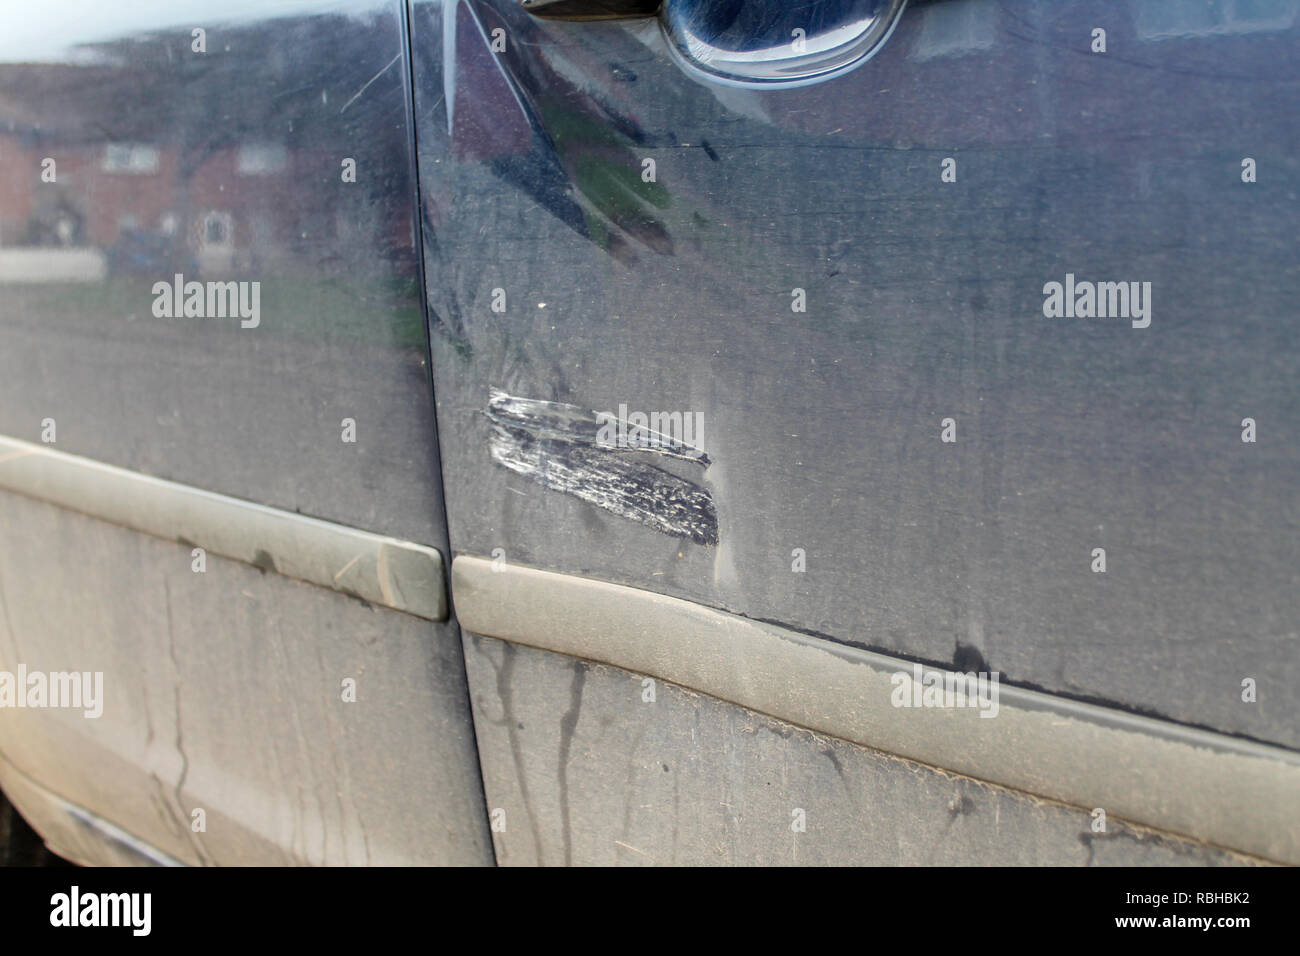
column 756, row 43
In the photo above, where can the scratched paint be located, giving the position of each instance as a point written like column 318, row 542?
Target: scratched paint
column 572, row 423
column 556, row 445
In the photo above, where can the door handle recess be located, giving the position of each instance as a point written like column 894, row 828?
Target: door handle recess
column 755, row 43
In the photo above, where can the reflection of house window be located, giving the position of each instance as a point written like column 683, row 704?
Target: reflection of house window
column 216, row 229
column 167, row 224
column 1163, row 19
column 950, row 29
column 135, row 158
column 261, row 159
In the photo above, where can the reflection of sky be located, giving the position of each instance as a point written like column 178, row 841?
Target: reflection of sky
column 50, row 30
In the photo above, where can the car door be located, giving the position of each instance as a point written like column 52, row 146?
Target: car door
column 220, row 498
column 796, row 362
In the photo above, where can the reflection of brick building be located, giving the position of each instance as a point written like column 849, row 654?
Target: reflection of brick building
column 232, row 213
column 123, row 180
column 19, row 168
column 224, row 207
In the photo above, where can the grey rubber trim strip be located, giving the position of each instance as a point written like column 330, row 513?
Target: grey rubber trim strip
column 382, row 570
column 1233, row 793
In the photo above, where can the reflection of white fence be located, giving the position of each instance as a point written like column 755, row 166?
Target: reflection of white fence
column 52, row 265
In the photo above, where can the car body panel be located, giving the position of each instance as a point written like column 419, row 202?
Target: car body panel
column 458, row 244
column 247, row 717
column 924, row 302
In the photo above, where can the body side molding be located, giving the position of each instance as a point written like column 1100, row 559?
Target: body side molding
column 381, row 570
column 1227, row 791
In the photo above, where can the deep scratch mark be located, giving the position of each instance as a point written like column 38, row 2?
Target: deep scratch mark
column 557, row 446
column 561, row 421
column 366, row 86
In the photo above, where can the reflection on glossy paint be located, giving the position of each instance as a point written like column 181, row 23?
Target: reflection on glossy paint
column 771, row 43
column 273, row 155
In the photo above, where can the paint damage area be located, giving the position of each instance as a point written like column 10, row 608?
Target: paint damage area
column 562, row 447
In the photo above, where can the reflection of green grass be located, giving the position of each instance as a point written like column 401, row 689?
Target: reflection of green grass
column 379, row 312
column 618, row 190
column 606, row 168
column 384, row 312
